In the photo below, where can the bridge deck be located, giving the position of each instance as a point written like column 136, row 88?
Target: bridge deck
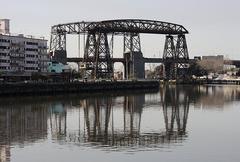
column 122, row 60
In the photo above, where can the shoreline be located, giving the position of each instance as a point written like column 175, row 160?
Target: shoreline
column 9, row 89
column 209, row 82
column 86, row 88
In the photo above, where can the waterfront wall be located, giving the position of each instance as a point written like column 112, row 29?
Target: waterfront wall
column 78, row 87
column 225, row 82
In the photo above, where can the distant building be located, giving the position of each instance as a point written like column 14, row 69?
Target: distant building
column 56, row 67
column 218, row 58
column 213, row 63
column 4, row 26
column 227, row 67
column 21, row 54
column 197, row 58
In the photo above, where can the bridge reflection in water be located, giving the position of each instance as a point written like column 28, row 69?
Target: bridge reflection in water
column 128, row 122
column 111, row 122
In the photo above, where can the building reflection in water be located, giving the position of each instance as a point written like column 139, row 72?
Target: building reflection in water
column 20, row 125
column 215, row 96
column 58, row 119
column 99, row 123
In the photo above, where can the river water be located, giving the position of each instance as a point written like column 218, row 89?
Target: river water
column 174, row 124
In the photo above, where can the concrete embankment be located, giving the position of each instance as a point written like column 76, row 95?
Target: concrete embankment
column 78, row 87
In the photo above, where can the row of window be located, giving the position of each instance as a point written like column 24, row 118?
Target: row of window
column 32, row 62
column 4, row 40
column 31, row 56
column 37, row 56
column 4, row 61
column 14, row 61
column 32, row 43
column 17, row 55
column 31, row 49
column 4, row 47
column 3, row 68
column 4, row 54
column 22, row 55
column 26, row 68
column 31, row 68
column 27, row 43
column 26, row 49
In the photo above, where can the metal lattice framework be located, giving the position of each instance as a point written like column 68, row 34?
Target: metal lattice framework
column 169, row 56
column 97, row 55
column 104, row 66
column 132, row 42
column 89, row 53
column 120, row 27
column 175, row 56
column 181, row 50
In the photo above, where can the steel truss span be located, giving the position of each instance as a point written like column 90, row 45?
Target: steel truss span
column 120, row 27
column 98, row 60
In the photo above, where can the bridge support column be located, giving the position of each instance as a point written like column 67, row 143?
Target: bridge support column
column 90, row 54
column 169, row 56
column 58, row 48
column 134, row 69
column 104, row 65
column 182, row 56
column 97, row 50
column 175, row 58
column 134, row 63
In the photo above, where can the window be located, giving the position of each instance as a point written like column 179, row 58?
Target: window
column 32, row 43
column 3, row 61
column 31, row 49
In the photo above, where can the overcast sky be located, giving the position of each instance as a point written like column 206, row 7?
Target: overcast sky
column 213, row 24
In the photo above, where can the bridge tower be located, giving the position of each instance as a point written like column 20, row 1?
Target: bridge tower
column 90, row 55
column 58, row 50
column 169, row 58
column 182, row 56
column 175, row 56
column 134, row 63
column 104, row 65
column 97, row 56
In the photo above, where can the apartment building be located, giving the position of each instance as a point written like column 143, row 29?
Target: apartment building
column 21, row 54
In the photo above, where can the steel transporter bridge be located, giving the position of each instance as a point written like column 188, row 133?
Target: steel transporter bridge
column 98, row 59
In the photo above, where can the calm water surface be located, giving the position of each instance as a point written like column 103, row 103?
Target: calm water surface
column 175, row 124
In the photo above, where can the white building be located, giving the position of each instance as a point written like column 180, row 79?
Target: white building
column 21, row 54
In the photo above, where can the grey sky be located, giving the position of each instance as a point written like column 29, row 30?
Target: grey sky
column 213, row 24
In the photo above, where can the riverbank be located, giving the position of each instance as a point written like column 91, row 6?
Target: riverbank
column 76, row 87
column 201, row 82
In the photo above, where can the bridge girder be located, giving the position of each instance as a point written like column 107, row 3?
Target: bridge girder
column 120, row 27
